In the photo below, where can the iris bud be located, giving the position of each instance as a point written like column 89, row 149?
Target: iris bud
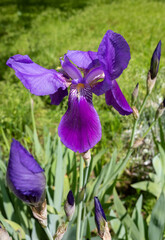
column 26, row 180
column 69, row 206
column 100, row 220
column 154, row 67
column 4, row 234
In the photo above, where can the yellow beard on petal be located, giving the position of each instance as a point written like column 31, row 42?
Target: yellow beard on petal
column 80, row 86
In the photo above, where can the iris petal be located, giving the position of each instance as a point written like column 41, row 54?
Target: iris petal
column 85, row 60
column 94, row 75
column 80, row 127
column 58, row 96
column 113, row 54
column 40, row 81
column 102, row 87
column 25, row 177
column 116, row 98
column 70, row 69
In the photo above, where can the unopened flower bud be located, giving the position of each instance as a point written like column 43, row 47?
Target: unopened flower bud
column 135, row 112
column 154, row 67
column 100, row 221
column 60, row 231
column 135, row 93
column 69, row 206
column 4, row 234
column 160, row 110
column 26, row 179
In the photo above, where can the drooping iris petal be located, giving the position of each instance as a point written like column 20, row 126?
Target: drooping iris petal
column 116, row 98
column 102, row 87
column 80, row 127
column 85, row 60
column 113, row 54
column 25, row 177
column 40, row 81
column 70, row 69
column 58, row 96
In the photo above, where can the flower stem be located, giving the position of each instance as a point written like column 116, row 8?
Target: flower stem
column 80, row 204
column 152, row 124
column 130, row 150
column 83, row 222
column 86, row 172
column 47, row 231
column 84, row 185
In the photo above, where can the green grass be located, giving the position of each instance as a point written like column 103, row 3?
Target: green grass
column 46, row 33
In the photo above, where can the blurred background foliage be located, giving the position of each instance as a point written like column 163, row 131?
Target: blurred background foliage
column 45, row 30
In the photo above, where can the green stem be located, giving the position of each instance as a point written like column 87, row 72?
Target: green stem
column 152, row 124
column 84, row 185
column 49, row 235
column 86, row 172
column 83, row 222
column 143, row 104
column 78, row 230
column 130, row 150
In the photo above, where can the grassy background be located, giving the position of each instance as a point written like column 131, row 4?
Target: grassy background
column 46, row 31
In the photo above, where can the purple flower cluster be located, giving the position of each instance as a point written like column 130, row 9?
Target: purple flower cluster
column 80, row 127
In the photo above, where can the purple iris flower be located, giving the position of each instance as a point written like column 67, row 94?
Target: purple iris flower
column 24, row 176
column 80, row 127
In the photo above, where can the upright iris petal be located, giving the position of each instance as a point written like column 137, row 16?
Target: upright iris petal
column 70, row 69
column 80, row 127
column 113, row 54
column 84, row 60
column 25, row 177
